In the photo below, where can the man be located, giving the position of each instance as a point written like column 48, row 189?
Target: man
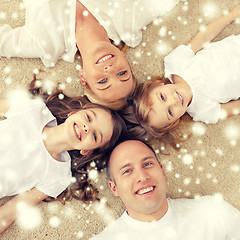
column 138, row 179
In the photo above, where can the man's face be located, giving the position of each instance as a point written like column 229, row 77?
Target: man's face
column 138, row 179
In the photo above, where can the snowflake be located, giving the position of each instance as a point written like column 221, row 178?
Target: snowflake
column 54, row 222
column 93, row 174
column 235, row 168
column 187, row 159
column 209, row 10
column 28, row 217
column 80, row 234
column 163, row 31
column 187, row 181
column 198, row 128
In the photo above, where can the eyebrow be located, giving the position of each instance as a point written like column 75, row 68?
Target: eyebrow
column 101, row 89
column 100, row 133
column 125, row 80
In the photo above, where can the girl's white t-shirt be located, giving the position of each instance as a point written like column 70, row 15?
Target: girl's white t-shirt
column 24, row 161
column 49, row 30
column 213, row 74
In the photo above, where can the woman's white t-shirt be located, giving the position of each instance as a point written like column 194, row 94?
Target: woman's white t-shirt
column 24, row 161
column 49, row 30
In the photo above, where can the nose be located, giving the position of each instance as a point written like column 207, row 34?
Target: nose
column 173, row 100
column 142, row 175
column 108, row 68
column 85, row 128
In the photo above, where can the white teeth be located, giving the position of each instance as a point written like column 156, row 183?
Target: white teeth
column 105, row 58
column 77, row 131
column 145, row 190
column 180, row 97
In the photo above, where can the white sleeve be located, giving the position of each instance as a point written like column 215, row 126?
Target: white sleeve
column 177, row 61
column 142, row 14
column 151, row 9
column 208, row 114
column 18, row 42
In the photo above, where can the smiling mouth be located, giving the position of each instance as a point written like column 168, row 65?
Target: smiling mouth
column 104, row 58
column 77, row 131
column 145, row 190
column 180, row 97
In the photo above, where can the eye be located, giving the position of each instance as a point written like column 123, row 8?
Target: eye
column 121, row 73
column 103, row 81
column 170, row 112
column 95, row 137
column 147, row 164
column 88, row 118
column 126, row 172
column 162, row 97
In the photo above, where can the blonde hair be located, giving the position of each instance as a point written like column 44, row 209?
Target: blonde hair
column 136, row 115
column 120, row 103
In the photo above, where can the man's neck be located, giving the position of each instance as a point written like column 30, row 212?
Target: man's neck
column 150, row 217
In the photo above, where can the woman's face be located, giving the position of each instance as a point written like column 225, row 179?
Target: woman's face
column 107, row 73
column 89, row 129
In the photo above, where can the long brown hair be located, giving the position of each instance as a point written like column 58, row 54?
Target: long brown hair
column 60, row 106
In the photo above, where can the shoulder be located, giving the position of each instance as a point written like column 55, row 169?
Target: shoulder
column 181, row 52
column 24, row 104
column 212, row 206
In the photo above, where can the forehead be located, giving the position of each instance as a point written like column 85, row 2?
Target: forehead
column 130, row 152
column 102, row 116
column 157, row 116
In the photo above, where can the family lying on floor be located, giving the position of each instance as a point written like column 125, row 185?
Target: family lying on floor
column 47, row 140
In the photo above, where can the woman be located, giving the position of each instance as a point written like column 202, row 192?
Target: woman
column 53, row 25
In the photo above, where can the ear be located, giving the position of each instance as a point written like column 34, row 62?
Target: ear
column 82, row 77
column 160, row 83
column 85, row 152
column 112, row 186
column 71, row 113
column 162, row 168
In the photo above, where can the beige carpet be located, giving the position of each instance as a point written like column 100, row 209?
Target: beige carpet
column 208, row 162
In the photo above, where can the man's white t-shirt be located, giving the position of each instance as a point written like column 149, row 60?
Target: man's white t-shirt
column 49, row 30
column 24, row 161
column 206, row 218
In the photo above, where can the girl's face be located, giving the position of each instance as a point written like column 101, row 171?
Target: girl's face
column 169, row 103
column 89, row 129
column 107, row 72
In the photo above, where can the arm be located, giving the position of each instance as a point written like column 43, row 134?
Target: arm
column 4, row 106
column 18, row 42
column 213, row 29
column 231, row 108
column 8, row 211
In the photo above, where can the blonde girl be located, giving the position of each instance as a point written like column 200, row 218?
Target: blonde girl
column 41, row 144
column 204, row 82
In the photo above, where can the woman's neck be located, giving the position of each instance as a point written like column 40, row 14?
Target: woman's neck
column 87, row 29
